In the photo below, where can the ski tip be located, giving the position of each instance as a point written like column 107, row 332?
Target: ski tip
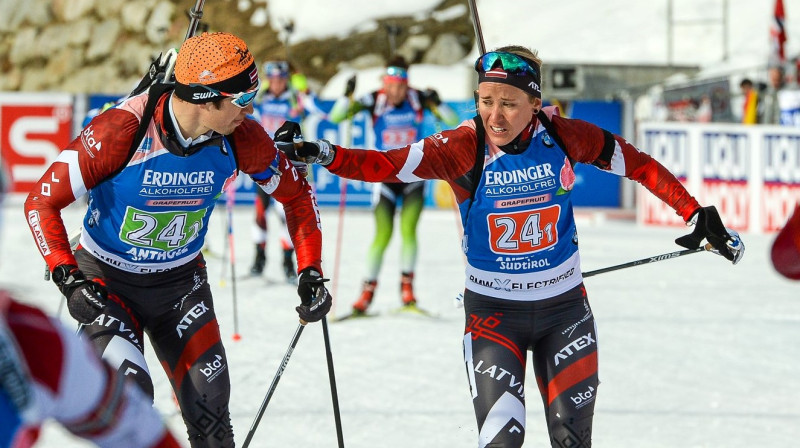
column 352, row 316
column 414, row 310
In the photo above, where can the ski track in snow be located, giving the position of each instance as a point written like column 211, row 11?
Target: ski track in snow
column 694, row 352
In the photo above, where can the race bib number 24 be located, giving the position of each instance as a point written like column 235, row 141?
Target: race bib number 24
column 165, row 231
column 523, row 232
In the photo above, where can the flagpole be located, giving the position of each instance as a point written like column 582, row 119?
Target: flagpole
column 725, row 21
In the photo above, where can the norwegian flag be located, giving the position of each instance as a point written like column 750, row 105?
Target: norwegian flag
column 777, row 35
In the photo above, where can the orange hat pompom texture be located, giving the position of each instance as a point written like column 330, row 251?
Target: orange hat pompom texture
column 220, row 60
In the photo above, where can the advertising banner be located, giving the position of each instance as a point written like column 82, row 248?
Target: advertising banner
column 34, row 127
column 750, row 173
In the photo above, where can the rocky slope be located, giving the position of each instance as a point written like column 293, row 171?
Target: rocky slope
column 104, row 46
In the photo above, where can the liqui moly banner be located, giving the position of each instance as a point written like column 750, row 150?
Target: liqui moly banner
column 750, row 173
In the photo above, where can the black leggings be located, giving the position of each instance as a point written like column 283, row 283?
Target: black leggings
column 176, row 311
column 562, row 335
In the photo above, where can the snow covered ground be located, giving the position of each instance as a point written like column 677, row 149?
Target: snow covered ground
column 694, row 352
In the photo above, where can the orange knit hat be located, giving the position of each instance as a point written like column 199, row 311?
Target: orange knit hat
column 220, row 61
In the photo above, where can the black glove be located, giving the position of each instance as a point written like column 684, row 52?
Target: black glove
column 726, row 242
column 85, row 299
column 319, row 151
column 430, row 97
column 286, row 138
column 351, row 86
column 288, row 132
column 315, row 299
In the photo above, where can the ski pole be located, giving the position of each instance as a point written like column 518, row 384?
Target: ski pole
column 339, row 234
column 274, row 384
column 332, row 377
column 653, row 259
column 476, row 24
column 224, row 270
column 347, row 140
column 229, row 201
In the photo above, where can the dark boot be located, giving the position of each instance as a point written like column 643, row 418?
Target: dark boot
column 260, row 261
column 288, row 265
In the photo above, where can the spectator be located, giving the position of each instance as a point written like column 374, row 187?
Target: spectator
column 750, row 107
column 771, row 105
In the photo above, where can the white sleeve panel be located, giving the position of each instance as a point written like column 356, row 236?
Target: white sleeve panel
column 70, row 157
column 415, row 153
column 617, row 160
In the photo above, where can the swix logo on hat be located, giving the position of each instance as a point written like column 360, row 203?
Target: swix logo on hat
column 203, row 95
column 496, row 74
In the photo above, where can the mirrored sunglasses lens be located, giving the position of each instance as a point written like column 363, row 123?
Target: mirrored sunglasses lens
column 245, row 98
column 509, row 62
column 397, row 71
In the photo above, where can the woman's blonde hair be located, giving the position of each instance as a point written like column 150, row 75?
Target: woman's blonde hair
column 527, row 53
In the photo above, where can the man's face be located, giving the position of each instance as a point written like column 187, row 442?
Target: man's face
column 395, row 91
column 775, row 77
column 225, row 117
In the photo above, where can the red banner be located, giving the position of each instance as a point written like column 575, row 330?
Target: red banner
column 34, row 128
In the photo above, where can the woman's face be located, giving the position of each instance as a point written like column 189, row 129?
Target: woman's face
column 277, row 84
column 505, row 111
